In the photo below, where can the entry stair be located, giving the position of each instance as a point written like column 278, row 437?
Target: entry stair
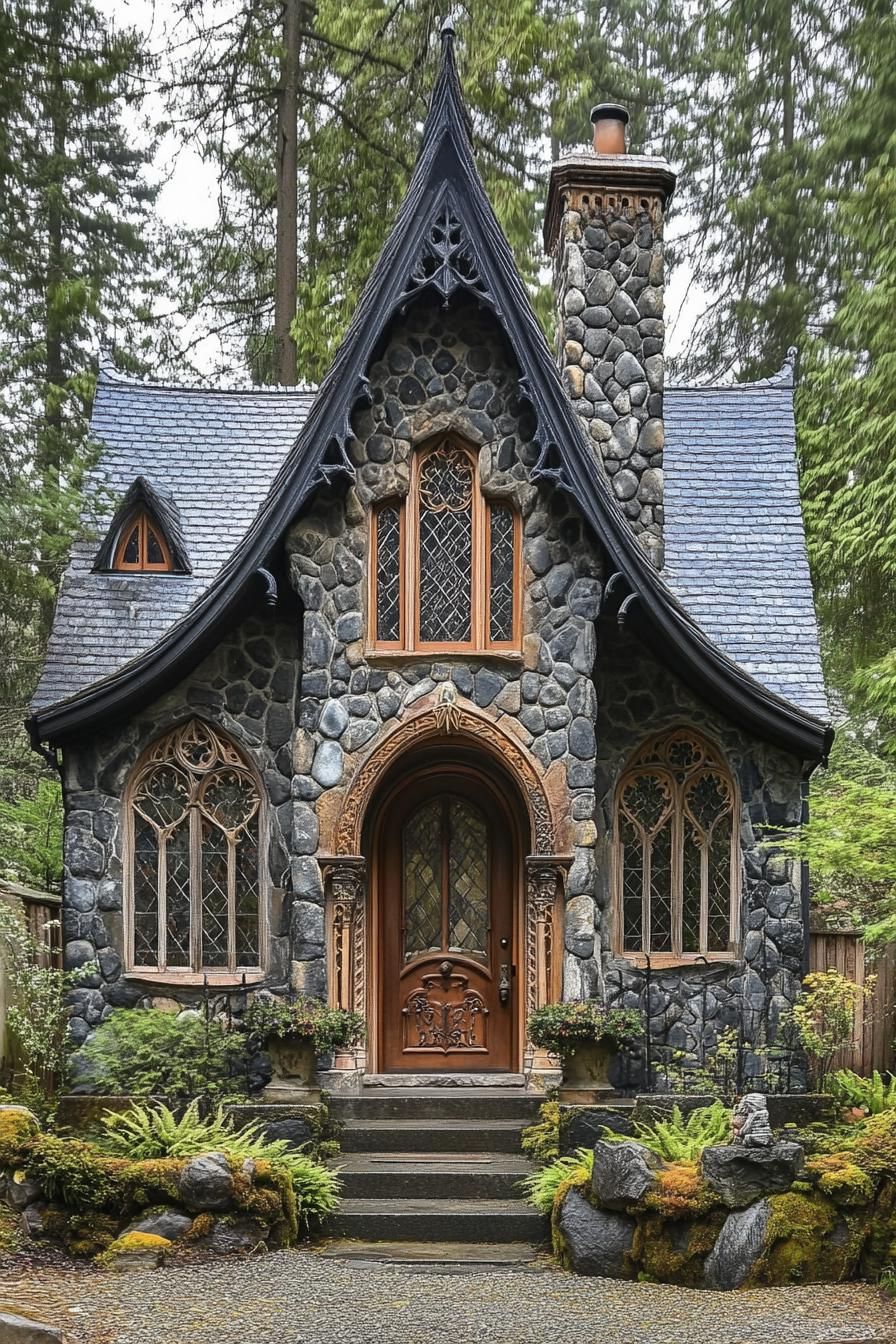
column 431, row 1165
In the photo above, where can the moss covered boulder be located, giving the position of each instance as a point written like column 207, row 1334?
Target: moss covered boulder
column 135, row 1250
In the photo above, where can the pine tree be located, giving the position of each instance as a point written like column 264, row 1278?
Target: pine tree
column 75, row 250
column 755, row 80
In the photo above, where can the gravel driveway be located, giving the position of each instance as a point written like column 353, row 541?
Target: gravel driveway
column 300, row 1297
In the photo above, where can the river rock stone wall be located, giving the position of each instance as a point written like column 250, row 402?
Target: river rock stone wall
column 690, row 1007
column 247, row 688
column 608, row 283
column 448, row 370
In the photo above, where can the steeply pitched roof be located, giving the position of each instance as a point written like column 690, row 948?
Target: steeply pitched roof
column 446, row 236
column 735, row 546
column 217, row 453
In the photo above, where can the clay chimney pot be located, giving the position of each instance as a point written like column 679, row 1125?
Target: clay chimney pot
column 610, row 121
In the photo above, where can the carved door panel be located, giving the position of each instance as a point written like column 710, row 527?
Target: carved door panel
column 446, row 877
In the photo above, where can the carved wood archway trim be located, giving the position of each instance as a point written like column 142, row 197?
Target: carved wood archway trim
column 458, row 723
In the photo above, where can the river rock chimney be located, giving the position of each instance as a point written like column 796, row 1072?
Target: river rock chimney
column 604, row 231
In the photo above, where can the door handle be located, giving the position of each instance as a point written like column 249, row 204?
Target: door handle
column 504, row 983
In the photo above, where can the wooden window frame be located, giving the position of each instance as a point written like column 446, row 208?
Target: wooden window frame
column 161, row 752
column 480, row 643
column 650, row 760
column 143, row 521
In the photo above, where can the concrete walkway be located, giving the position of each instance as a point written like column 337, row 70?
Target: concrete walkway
column 303, row 1297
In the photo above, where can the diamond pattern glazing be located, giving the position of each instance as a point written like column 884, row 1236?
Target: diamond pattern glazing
column 501, row 588
column 446, row 546
column 388, row 574
column 422, row 869
column 467, row 879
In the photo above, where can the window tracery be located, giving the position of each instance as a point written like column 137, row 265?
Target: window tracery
column 445, row 565
column 677, row 862
column 193, row 816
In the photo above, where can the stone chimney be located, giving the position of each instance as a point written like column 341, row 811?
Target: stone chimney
column 604, row 231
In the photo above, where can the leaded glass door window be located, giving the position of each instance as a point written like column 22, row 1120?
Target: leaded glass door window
column 194, row 890
column 445, row 562
column 677, row 863
column 445, row 863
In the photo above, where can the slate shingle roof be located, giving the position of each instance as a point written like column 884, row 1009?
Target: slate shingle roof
column 218, row 452
column 734, row 539
column 735, row 545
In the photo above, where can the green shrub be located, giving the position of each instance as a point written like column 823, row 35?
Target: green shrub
column 543, row 1186
column 152, row 1132
column 329, row 1028
column 680, row 1140
column 141, row 1052
column 872, row 1095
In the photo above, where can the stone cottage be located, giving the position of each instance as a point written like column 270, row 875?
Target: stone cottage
column 482, row 677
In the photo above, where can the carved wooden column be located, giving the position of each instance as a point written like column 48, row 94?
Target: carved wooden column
column 346, row 887
column 545, row 877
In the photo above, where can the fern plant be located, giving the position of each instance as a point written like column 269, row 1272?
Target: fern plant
column 149, row 1132
column 680, row 1140
column 542, row 1186
column 872, row 1095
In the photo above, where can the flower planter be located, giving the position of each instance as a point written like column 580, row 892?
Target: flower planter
column 295, row 1069
column 586, row 1072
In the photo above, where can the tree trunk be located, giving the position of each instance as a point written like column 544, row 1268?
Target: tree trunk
column 788, row 133
column 50, row 448
column 286, row 260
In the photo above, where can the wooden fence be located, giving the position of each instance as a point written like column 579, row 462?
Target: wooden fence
column 37, row 909
column 844, row 950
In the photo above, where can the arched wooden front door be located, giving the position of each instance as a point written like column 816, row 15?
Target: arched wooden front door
column 447, row 873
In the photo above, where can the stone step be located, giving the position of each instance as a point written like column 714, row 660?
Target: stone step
column 445, row 1082
column 432, row 1175
column 440, row 1256
column 438, row 1220
column 431, row 1136
column 432, row 1103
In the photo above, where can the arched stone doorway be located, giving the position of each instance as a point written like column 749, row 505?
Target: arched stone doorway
column 490, row 915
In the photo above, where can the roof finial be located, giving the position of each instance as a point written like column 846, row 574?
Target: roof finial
column 447, row 31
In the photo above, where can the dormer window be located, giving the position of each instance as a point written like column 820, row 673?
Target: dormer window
column 445, row 561
column 142, row 548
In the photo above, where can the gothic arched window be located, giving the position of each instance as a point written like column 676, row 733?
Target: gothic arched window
column 677, row 861
column 193, row 869
column 445, row 561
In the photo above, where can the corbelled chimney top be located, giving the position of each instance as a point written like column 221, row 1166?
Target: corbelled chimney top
column 609, row 121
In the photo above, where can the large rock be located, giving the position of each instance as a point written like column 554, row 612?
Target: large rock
column 623, row 1172
column 243, row 1234
column 163, row 1222
column 596, row 1241
column 206, row 1183
column 22, row 1190
column 21, row 1330
column 738, row 1247
column 741, row 1175
column 582, row 1126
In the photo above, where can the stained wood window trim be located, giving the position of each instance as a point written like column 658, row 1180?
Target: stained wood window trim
column 147, row 531
column 652, row 759
column 408, row 508
column 171, row 748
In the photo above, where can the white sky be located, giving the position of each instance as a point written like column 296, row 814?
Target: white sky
column 188, row 196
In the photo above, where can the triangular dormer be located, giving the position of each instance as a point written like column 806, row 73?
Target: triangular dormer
column 145, row 535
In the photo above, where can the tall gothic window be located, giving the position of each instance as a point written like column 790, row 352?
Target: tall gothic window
column 445, row 561
column 193, row 857
column 677, row 862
